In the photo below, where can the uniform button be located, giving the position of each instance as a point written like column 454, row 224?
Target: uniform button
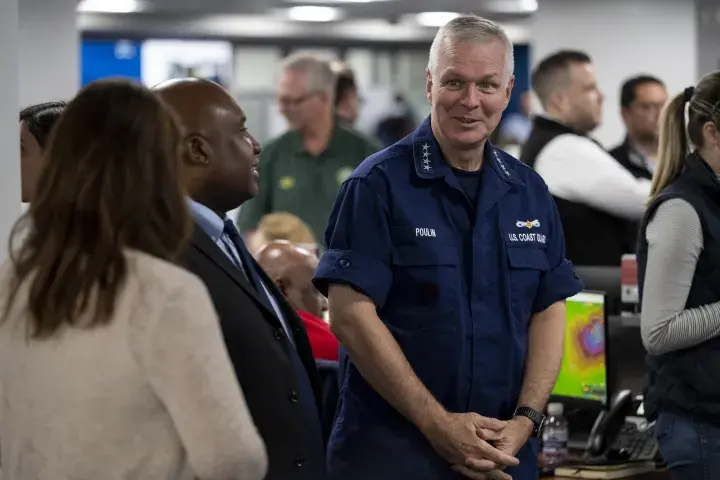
column 345, row 263
column 294, row 396
column 279, row 333
column 299, row 461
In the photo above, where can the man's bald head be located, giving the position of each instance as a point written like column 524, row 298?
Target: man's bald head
column 292, row 268
column 195, row 100
column 279, row 257
column 220, row 156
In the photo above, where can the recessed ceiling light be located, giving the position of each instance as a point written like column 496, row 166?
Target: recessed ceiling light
column 336, row 1
column 528, row 5
column 512, row 6
column 312, row 13
column 109, row 6
column 435, row 19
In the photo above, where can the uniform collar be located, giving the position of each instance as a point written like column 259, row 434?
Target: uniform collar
column 430, row 163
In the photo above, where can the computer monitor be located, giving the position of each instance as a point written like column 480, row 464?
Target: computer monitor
column 583, row 378
column 627, row 369
column 604, row 279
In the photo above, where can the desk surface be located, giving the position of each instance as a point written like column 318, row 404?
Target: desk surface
column 656, row 475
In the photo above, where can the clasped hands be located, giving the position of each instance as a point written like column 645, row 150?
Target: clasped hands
column 479, row 447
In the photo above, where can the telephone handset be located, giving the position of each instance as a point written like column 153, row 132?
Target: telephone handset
column 609, row 422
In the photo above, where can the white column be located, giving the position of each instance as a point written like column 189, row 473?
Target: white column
column 256, row 68
column 708, row 36
column 9, row 107
column 624, row 38
column 49, row 50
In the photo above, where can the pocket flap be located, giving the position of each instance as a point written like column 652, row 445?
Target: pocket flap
column 416, row 255
column 533, row 258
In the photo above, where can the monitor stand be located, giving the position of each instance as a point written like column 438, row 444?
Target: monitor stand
column 580, row 423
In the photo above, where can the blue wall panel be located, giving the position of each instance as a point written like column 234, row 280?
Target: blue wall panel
column 110, row 58
column 522, row 76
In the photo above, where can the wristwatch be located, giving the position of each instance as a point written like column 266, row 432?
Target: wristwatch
column 537, row 418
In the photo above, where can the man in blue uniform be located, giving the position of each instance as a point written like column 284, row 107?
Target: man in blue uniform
column 446, row 274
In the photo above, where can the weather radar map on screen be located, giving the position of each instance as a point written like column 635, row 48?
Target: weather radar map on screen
column 583, row 374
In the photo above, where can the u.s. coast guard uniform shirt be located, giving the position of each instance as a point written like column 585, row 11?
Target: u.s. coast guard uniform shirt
column 456, row 272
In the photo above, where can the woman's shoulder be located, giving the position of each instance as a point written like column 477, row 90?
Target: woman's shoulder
column 160, row 277
column 675, row 221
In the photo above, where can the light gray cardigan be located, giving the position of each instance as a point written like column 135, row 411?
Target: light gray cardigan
column 150, row 396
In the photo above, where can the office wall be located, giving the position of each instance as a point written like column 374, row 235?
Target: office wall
column 49, row 50
column 9, row 105
column 624, row 38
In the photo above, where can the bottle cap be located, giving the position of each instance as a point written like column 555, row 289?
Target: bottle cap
column 555, row 408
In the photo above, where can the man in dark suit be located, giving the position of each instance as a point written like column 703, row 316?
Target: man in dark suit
column 265, row 338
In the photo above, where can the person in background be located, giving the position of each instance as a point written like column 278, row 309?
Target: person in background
column 641, row 100
column 446, row 277
column 282, row 226
column 36, row 123
column 596, row 197
column 291, row 268
column 266, row 339
column 516, row 127
column 303, row 168
column 112, row 362
column 678, row 265
column 347, row 98
column 397, row 123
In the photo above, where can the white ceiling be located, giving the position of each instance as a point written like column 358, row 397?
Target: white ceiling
column 375, row 21
column 387, row 9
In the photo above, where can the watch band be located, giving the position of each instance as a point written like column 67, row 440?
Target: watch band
column 536, row 417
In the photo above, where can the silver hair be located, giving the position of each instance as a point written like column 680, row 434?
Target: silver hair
column 320, row 75
column 471, row 29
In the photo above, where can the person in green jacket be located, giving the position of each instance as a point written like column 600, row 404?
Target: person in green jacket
column 302, row 170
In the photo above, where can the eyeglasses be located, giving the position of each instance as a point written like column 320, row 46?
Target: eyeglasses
column 296, row 101
column 647, row 107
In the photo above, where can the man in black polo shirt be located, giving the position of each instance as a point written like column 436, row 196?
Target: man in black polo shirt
column 641, row 100
column 302, row 170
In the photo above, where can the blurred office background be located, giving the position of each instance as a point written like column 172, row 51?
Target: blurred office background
column 52, row 47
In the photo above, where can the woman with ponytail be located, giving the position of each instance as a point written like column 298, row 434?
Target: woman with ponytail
column 679, row 279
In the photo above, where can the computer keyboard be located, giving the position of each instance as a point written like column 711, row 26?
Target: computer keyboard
column 634, row 444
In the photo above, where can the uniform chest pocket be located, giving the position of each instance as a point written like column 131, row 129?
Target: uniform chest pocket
column 527, row 265
column 425, row 285
column 424, row 274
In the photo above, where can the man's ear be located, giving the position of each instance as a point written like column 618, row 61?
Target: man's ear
column 556, row 100
column 625, row 114
column 325, row 97
column 428, row 85
column 199, row 150
column 508, row 90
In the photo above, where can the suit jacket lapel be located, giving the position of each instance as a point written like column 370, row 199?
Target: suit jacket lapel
column 302, row 341
column 205, row 245
column 202, row 242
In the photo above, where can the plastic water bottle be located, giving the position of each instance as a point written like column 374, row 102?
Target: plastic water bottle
column 554, row 437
